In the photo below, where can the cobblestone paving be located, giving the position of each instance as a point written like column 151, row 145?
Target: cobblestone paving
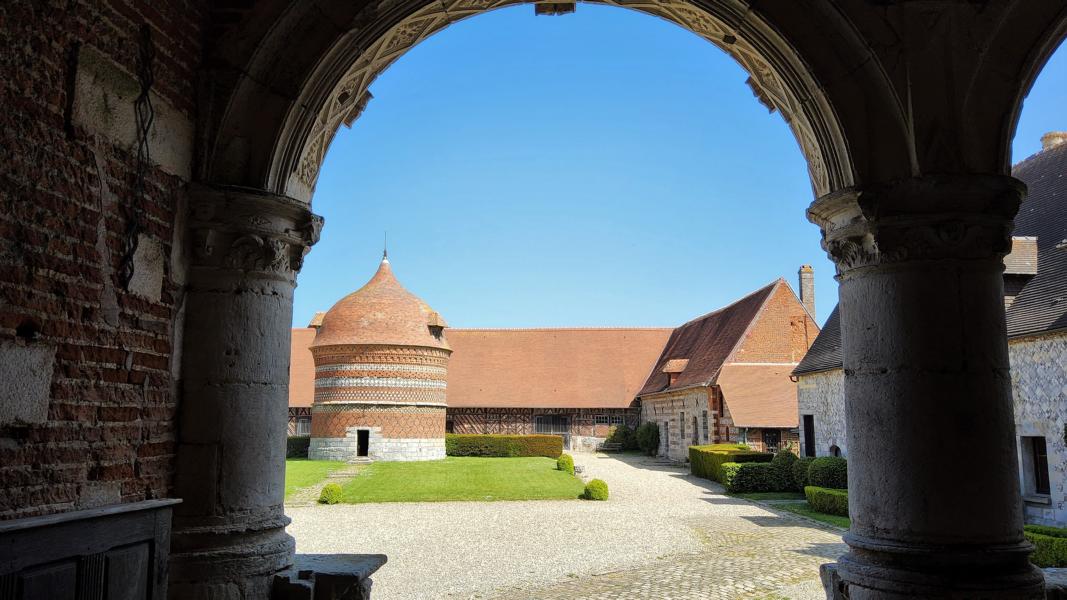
column 663, row 535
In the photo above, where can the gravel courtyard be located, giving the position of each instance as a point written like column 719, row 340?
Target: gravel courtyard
column 663, row 534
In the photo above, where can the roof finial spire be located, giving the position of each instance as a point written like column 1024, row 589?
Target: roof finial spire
column 385, row 247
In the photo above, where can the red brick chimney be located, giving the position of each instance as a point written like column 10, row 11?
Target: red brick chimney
column 807, row 287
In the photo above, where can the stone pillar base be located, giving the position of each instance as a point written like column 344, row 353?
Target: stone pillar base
column 235, row 566
column 327, row 577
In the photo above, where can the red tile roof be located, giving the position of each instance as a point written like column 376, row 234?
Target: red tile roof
column 528, row 368
column 301, row 367
column 380, row 312
column 550, row 368
column 759, row 395
column 707, row 342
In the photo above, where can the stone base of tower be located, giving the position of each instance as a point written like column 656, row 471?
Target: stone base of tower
column 351, row 447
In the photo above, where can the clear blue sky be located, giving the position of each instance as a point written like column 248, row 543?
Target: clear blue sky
column 594, row 169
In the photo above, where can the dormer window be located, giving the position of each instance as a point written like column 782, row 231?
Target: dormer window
column 674, row 368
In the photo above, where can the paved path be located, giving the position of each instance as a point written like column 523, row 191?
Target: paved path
column 310, row 495
column 663, row 534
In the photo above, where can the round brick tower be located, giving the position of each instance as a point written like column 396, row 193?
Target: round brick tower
column 381, row 362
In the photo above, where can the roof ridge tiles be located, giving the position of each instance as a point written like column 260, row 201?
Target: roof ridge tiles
column 739, row 300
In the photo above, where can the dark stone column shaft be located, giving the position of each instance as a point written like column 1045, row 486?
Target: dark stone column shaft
column 229, row 532
column 933, row 479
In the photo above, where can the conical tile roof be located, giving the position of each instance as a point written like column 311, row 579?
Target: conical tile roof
column 382, row 312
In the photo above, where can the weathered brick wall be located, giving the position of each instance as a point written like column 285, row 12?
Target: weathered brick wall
column 822, row 395
column 1039, row 387
column 96, row 425
column 782, row 334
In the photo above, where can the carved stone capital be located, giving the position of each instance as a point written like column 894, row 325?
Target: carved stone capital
column 250, row 231
column 927, row 218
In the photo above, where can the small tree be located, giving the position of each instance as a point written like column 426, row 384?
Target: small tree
column 624, row 436
column 648, row 438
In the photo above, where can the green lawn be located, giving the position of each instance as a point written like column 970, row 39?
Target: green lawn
column 462, row 478
column 301, row 472
column 802, row 508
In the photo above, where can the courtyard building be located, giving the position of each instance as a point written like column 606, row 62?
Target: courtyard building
column 724, row 377
column 578, row 383
column 575, row 382
column 381, row 365
column 1035, row 299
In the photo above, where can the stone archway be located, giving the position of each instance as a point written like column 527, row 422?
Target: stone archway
column 777, row 77
column 904, row 112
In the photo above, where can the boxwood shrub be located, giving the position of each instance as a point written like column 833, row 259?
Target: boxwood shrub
column 331, row 494
column 549, row 446
column 596, row 490
column 707, row 461
column 783, row 470
column 1050, row 545
column 296, row 446
column 827, row 500
column 828, row 472
column 750, row 477
column 565, row 462
column 800, row 472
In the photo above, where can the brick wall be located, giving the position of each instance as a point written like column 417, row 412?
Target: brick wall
column 782, row 333
column 102, row 429
column 328, row 421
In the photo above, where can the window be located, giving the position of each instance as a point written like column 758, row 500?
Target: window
column 681, row 425
column 303, row 425
column 704, row 425
column 618, row 419
column 666, row 434
column 556, row 424
column 1041, row 465
column 1035, row 465
column 772, row 439
column 809, row 435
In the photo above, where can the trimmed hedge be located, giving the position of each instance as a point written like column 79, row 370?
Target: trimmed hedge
column 296, row 446
column 828, row 472
column 331, row 494
column 596, row 490
column 826, row 500
column 707, row 461
column 750, row 477
column 783, row 466
column 549, row 446
column 1050, row 545
column 565, row 462
column 648, row 438
column 800, row 472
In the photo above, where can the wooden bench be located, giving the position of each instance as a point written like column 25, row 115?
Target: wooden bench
column 609, row 447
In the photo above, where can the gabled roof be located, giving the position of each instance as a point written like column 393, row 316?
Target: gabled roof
column 759, row 395
column 707, row 342
column 1041, row 306
column 825, row 352
column 550, row 368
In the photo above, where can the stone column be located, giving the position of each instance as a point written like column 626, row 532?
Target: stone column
column 933, row 478
column 229, row 532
